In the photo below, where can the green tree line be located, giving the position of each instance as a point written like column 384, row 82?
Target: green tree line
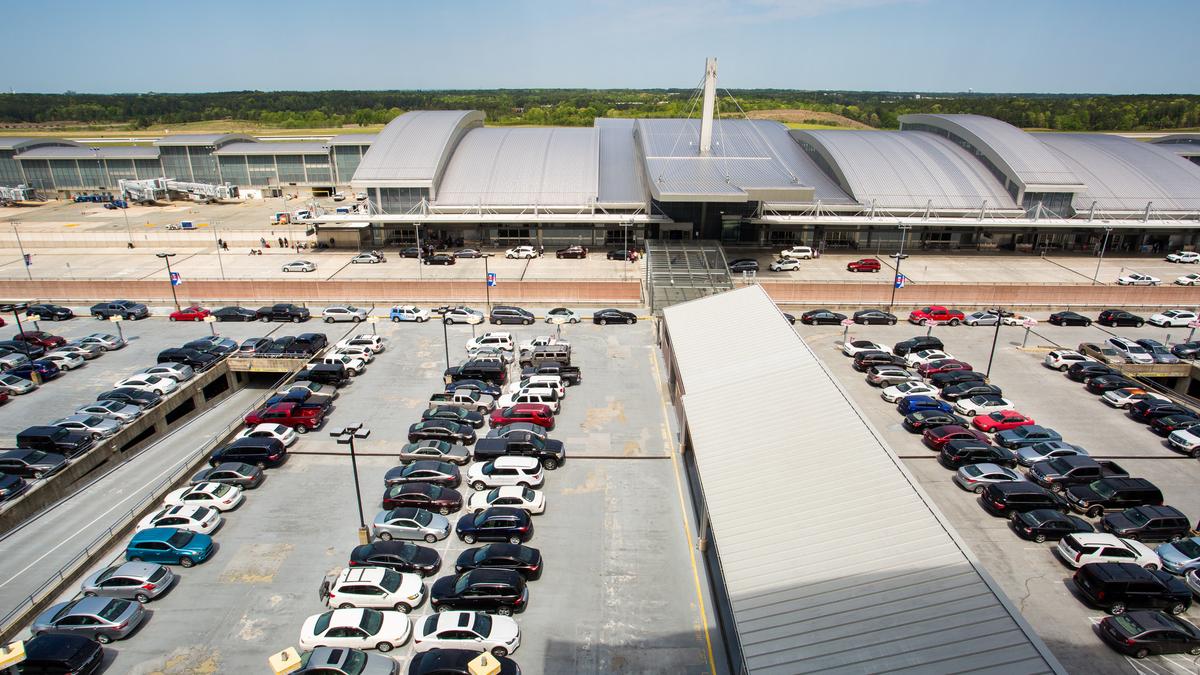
column 578, row 107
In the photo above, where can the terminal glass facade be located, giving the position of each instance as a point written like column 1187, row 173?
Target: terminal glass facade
column 175, row 162
column 203, row 164
column 346, row 158
column 10, row 171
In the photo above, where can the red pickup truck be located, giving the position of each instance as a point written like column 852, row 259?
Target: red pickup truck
column 302, row 417
column 935, row 313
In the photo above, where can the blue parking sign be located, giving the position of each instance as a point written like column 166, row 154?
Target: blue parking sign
column 900, row 279
column 491, row 279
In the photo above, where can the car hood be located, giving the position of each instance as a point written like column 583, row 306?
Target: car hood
column 1117, row 522
column 1169, row 553
column 1085, row 493
column 444, row 587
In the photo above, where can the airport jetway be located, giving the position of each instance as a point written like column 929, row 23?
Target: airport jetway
column 21, row 195
column 155, row 190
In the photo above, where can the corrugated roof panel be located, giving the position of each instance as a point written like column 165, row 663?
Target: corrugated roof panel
column 20, row 142
column 353, row 139
column 413, row 149
column 79, row 152
column 621, row 179
column 203, row 139
column 1124, row 175
column 274, row 148
column 922, row 606
column 523, row 167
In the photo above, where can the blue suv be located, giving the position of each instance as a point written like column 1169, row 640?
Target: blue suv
column 911, row 404
column 169, row 546
column 46, row 370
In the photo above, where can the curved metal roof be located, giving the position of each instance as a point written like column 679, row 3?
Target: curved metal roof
column 23, row 142
column 274, row 148
column 1015, row 152
column 1124, row 175
column 216, row 140
column 621, row 179
column 518, row 167
column 413, row 149
column 906, row 169
column 80, row 152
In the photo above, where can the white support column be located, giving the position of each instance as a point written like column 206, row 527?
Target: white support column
column 710, row 92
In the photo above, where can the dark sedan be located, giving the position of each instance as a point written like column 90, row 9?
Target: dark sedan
column 743, row 265
column 11, row 486
column 607, row 316
column 953, row 377
column 468, row 253
column 475, row 385
column 31, row 463
column 1163, row 426
column 401, row 556
column 1042, row 524
column 873, row 317
column 1103, row 383
column 410, row 252
column 1086, row 370
column 1186, row 350
column 1119, row 317
column 575, row 252
column 626, row 254
column 523, row 559
column 454, row 414
column 1147, row 410
column 441, row 430
column 438, row 259
column 29, row 349
column 245, row 476
column 1069, row 319
column 816, row 317
column 142, row 399
column 50, row 312
column 871, row 357
column 498, row 523
column 235, row 313
column 1140, row 634
column 955, row 392
column 921, row 420
column 424, row 471
column 426, row 496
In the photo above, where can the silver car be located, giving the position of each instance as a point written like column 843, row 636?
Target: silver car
column 326, row 660
column 117, row 411
column 102, row 619
column 141, row 581
column 525, row 427
column 99, row 427
column 105, row 341
column 87, row 351
column 180, row 372
column 344, row 313
column 13, row 360
column 408, row 523
column 981, row 319
column 431, row 449
column 12, row 384
column 1039, row 452
column 976, row 477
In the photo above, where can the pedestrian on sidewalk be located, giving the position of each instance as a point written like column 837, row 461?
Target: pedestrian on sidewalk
column 262, row 241
column 280, row 241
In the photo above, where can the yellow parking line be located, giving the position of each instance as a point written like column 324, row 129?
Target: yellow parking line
column 687, row 532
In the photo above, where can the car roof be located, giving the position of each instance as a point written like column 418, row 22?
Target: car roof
column 154, row 534
column 514, row 462
column 370, row 575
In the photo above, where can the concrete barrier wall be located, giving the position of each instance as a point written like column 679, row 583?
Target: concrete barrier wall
column 267, row 291
column 981, row 295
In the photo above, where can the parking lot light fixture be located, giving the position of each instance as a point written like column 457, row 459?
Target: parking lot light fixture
column 346, row 436
column 901, row 255
column 995, row 336
column 166, row 257
column 16, row 310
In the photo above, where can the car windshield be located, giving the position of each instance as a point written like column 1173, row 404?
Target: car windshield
column 372, row 621
column 390, row 581
column 113, row 610
column 464, row 582
column 1188, row 547
column 423, row 517
column 493, row 495
column 1101, row 488
column 181, row 538
column 106, row 574
column 481, row 519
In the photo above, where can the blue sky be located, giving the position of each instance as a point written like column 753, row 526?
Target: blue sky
column 1100, row 46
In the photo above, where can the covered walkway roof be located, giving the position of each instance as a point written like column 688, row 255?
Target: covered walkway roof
column 927, row 606
column 80, row 152
column 215, row 140
column 274, row 148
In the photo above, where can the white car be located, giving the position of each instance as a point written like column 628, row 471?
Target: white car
column 1186, row 441
column 521, row 252
column 462, row 315
column 898, row 391
column 1015, row 320
column 98, row 426
column 785, row 265
column 1062, row 359
column 490, row 354
column 543, row 395
column 551, row 382
column 1191, row 257
column 300, row 266
column 339, row 196
column 473, row 631
column 1127, row 396
column 802, row 252
column 505, row 470
column 492, row 339
column 561, row 315
column 376, row 587
column 852, row 347
column 122, row 413
column 1130, row 350
column 285, row 435
column 1192, row 279
column 983, row 405
column 353, row 365
column 1081, row 548
column 1172, row 318
column 344, row 313
column 366, row 259
column 542, row 341
column 152, row 383
column 357, row 352
column 219, row 496
column 64, row 360
column 199, row 519
column 371, row 342
column 360, row 196
column 103, row 340
column 533, row 501
column 914, row 359
column 180, row 372
column 409, row 313
column 356, row 628
column 1138, row 279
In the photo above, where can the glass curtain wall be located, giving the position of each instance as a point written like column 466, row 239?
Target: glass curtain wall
column 175, row 162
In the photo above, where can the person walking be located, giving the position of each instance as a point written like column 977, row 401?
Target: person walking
column 262, row 241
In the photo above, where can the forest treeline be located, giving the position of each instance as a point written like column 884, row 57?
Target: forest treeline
column 566, row 107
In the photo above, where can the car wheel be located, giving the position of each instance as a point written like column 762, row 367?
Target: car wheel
column 1177, row 608
column 96, row 437
column 603, row 322
column 1063, row 368
column 99, row 316
column 1039, row 538
column 1056, row 488
column 1118, row 608
column 395, row 319
column 447, row 321
column 1095, row 512
column 429, row 538
column 479, row 485
column 978, row 489
column 301, row 429
column 574, row 321
column 549, row 464
column 443, row 608
column 504, row 611
column 329, row 319
column 628, row 322
column 103, row 638
column 403, row 607
column 445, row 511
column 1152, row 567
column 185, row 561
column 37, row 474
column 1139, row 324
column 953, row 322
column 170, row 318
column 264, row 319
column 385, row 536
column 142, row 598
column 1194, row 651
column 89, row 594
column 346, row 605
column 501, row 652
column 1143, row 653
column 295, row 319
column 468, row 538
column 384, row 647
column 514, row 540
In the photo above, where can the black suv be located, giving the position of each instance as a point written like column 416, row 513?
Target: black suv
column 485, row 590
column 333, row 374
column 953, row 377
column 312, row 343
column 498, row 523
column 961, row 452
column 198, row 360
column 549, row 452
column 1008, row 499
column 1111, row 494
column 1085, row 370
column 508, row 314
column 261, row 452
column 1115, row 587
column 916, row 344
column 53, row 653
column 284, row 311
column 955, row 392
column 491, row 372
column 872, row 357
column 1147, row 523
column 1146, row 411
column 55, row 439
column 1119, row 317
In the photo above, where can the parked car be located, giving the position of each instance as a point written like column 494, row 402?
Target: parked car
column 936, row 313
column 359, row 628
column 490, row 590
column 303, row 417
column 1192, row 279
column 424, row 471
column 401, row 556
column 1158, row 351
column 535, row 413
column 937, row 438
column 1083, row 548
column 817, row 317
column 410, row 523
column 198, row 361
column 96, row 426
column 367, row 259
column 105, row 341
column 1116, row 587
column 1082, row 372
column 532, row 501
column 784, row 265
column 522, row 559
column 408, row 313
column 1180, row 557
column 343, row 313
column 474, row 631
column 896, row 392
column 101, row 619
column 439, row 259
column 49, row 312
column 976, row 477
column 1186, row 350
column 913, row 403
column 11, row 486
column 1047, row 524
column 143, row 399
column 852, row 348
column 864, row 360
column 53, row 438
column 1147, row 523
column 200, row 519
column 982, row 404
column 1118, row 317
column 219, row 496
column 1140, row 634
column 62, row 654
column 522, row 252
column 607, row 316
column 939, row 366
column 1192, row 257
column 1007, row 499
column 159, row 385
column 561, row 315
column 1000, row 421
column 428, row 496
column 496, row 523
column 192, row 313
column 284, row 311
column 374, row 587
column 169, row 546
column 1137, row 279
column 11, row 384
column 1014, row 439
column 441, row 430
column 800, row 252
column 575, row 252
column 920, row 421
column 968, row 389
column 300, row 266
column 235, row 313
column 502, row 471
column 1039, row 452
column 245, row 476
column 874, row 317
column 453, row 315
column 1172, row 318
column 916, row 344
column 31, row 463
column 123, row 308
column 886, row 376
column 864, row 265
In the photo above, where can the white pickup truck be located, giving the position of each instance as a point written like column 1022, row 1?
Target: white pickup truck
column 353, row 364
column 464, row 398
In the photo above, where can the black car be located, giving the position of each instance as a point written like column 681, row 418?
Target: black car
column 816, row 317
column 441, row 430
column 791, row 319
column 57, row 440
column 917, row 422
column 1069, row 319
column 282, row 346
column 439, row 259
column 312, row 343
column 620, row 254
column 454, row 414
column 410, row 252
column 952, row 377
column 260, row 451
column 1111, row 494
column 428, row 496
column 606, row 316
column 1119, row 317
column 1163, row 426
column 576, row 252
column 50, row 312
column 284, row 311
column 1086, row 370
column 743, row 265
column 1115, row 587
column 468, row 253
column 31, row 463
column 33, row 351
column 962, row 451
column 475, row 385
column 916, row 344
column 955, row 392
column 502, row 314
column 1104, row 383
column 497, row 523
column 874, row 357
column 487, row 590
column 523, row 559
column 1147, row 523
column 60, row 653
column 1042, row 524
column 333, row 374
column 245, row 476
column 1147, row 410
column 871, row 317
column 1140, row 634
column 142, row 399
column 401, row 556
column 456, row 662
column 431, row 471
column 234, row 313
column 218, row 347
column 11, row 486
column 1186, row 350
column 550, row 452
column 198, row 360
column 1008, row 499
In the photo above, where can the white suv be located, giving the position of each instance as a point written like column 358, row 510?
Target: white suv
column 1130, row 350
column 1062, row 359
column 1172, row 318
column 1082, row 548
column 521, row 252
column 802, row 252
column 1184, row 257
column 506, row 470
column 495, row 340
column 376, row 587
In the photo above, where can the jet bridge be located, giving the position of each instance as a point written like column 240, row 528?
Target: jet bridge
column 156, row 190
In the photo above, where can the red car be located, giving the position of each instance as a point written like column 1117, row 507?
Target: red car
column 300, row 416
column 40, row 338
column 1000, row 421
column 864, row 265
column 193, row 313
column 935, row 313
column 942, row 366
column 937, row 437
column 533, row 413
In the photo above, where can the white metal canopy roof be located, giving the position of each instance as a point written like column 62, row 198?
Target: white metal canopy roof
column 204, row 139
column 22, row 142
column 80, row 152
column 413, row 149
column 622, row 181
column 1125, row 175
column 924, row 606
column 274, row 148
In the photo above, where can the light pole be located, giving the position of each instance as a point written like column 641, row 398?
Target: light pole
column 170, row 280
column 995, row 337
column 420, row 251
column 625, row 233
column 446, row 340
column 128, row 230
column 220, row 264
column 487, row 283
column 346, row 436
column 16, row 310
column 1096, row 276
column 22, row 249
column 898, row 256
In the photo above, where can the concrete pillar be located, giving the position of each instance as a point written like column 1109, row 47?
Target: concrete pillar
column 1182, row 385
